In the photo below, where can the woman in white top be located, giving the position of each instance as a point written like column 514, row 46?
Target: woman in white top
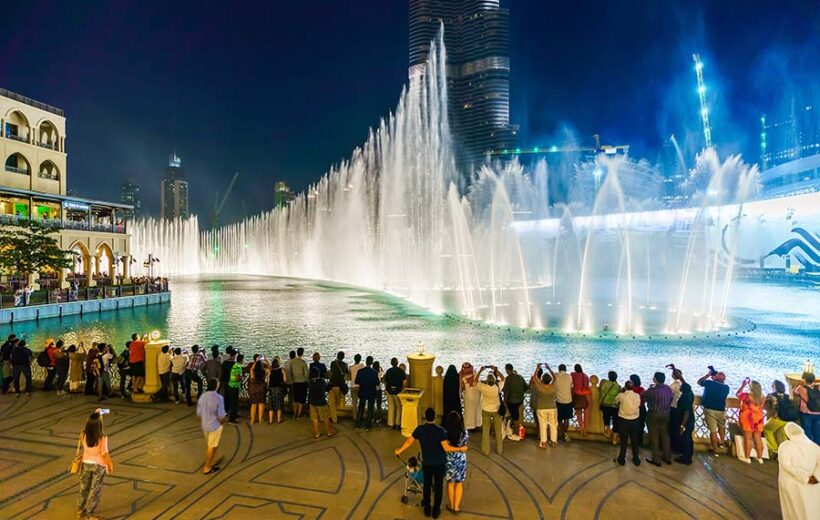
column 472, row 397
column 96, row 463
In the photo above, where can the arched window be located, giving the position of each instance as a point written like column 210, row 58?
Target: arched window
column 48, row 137
column 16, row 127
column 49, row 170
column 16, row 163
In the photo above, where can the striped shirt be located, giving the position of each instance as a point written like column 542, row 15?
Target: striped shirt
column 195, row 361
column 658, row 399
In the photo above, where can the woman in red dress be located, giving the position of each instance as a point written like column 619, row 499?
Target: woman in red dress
column 580, row 398
column 751, row 418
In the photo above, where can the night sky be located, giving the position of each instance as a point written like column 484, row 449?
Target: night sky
column 280, row 90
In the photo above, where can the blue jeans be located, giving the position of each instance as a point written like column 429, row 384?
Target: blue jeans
column 811, row 425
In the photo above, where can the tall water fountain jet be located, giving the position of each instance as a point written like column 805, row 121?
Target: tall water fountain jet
column 394, row 218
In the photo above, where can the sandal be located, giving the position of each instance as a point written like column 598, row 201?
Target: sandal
column 213, row 469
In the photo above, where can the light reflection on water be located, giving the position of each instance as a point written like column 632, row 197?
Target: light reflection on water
column 274, row 315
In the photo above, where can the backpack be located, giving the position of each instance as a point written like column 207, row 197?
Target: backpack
column 786, row 410
column 813, row 401
column 43, row 360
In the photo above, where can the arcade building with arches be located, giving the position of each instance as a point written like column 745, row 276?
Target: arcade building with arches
column 33, row 187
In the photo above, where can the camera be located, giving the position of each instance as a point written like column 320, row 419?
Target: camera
column 712, row 371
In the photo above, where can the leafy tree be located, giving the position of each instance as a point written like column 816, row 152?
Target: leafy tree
column 28, row 249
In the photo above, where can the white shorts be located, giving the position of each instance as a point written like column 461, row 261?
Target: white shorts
column 212, row 438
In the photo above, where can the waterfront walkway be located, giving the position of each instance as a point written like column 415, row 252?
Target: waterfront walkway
column 279, row 471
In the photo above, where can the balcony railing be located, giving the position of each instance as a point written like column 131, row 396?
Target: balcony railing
column 14, row 169
column 51, row 176
column 16, row 137
column 50, row 146
column 9, row 297
column 55, row 223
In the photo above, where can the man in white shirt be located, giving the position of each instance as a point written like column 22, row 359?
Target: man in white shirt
column 490, row 402
column 164, row 371
column 563, row 400
column 629, row 423
column 354, row 388
column 178, row 363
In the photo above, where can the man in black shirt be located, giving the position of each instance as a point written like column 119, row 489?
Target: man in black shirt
column 5, row 359
column 338, row 387
column 317, row 399
column 394, row 381
column 431, row 437
column 227, row 365
column 21, row 364
column 367, row 380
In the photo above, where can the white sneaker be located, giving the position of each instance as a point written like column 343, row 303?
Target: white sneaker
column 760, row 461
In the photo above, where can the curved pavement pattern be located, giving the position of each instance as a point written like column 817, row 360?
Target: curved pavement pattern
column 280, row 471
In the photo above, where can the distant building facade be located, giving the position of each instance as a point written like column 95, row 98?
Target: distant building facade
column 33, row 189
column 477, row 39
column 130, row 194
column 792, row 134
column 790, row 149
column 174, row 190
column 282, row 194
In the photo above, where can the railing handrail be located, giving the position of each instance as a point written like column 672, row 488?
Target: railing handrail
column 17, row 220
column 14, row 169
column 32, row 102
column 44, row 296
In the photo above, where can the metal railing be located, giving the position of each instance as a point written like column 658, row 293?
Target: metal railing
column 31, row 102
column 16, row 137
column 51, row 176
column 55, row 223
column 10, row 298
column 49, row 146
column 14, row 169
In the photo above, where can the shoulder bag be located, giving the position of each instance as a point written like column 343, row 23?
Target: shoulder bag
column 343, row 388
column 77, row 463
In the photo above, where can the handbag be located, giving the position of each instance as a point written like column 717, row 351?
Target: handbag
column 343, row 388
column 77, row 463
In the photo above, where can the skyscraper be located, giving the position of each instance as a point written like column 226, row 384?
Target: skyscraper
column 174, row 190
column 282, row 195
column 477, row 39
column 792, row 132
column 130, row 194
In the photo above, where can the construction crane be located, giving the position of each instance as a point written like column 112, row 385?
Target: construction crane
column 218, row 205
column 704, row 110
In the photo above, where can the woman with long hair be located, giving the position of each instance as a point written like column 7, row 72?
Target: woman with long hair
column 751, row 418
column 456, row 467
column 472, row 397
column 96, row 463
column 580, row 398
column 257, row 389
column 780, row 409
column 276, row 391
column 451, row 396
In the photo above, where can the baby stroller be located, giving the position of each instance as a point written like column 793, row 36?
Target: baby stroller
column 413, row 480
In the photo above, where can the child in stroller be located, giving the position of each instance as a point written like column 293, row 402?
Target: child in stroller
column 413, row 479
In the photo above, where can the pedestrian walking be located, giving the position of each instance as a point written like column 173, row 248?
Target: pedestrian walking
column 210, row 407
column 96, row 463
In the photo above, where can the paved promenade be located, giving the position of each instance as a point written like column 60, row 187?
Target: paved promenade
column 280, row 471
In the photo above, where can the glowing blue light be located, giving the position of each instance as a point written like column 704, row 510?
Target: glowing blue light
column 701, row 89
column 704, row 112
column 554, row 149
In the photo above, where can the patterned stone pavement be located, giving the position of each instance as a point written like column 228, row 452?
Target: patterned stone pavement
column 280, row 471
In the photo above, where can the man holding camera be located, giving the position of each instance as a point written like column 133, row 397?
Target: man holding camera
column 715, row 391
